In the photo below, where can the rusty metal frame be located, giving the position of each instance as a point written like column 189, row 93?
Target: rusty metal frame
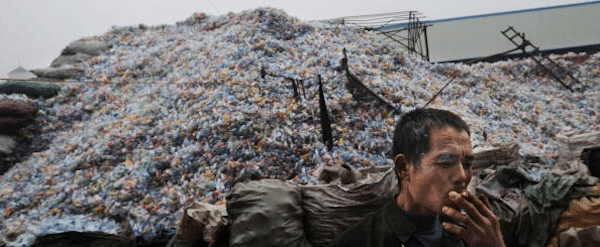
column 404, row 28
column 518, row 39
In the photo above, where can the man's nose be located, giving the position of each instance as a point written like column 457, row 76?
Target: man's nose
column 461, row 174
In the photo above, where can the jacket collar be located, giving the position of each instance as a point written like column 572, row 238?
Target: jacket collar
column 404, row 228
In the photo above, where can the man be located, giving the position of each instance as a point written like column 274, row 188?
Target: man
column 432, row 156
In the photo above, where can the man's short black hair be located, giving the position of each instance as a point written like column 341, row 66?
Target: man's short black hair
column 412, row 133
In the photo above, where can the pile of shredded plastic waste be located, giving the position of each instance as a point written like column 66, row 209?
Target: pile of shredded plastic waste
column 175, row 114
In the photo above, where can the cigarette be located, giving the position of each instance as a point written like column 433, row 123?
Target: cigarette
column 463, row 193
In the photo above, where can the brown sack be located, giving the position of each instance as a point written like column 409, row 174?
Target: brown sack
column 200, row 224
column 331, row 208
column 265, row 213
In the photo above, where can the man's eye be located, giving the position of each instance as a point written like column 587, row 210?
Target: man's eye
column 446, row 164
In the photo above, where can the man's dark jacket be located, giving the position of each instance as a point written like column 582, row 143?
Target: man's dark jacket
column 388, row 227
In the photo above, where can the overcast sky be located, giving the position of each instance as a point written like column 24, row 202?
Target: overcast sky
column 33, row 32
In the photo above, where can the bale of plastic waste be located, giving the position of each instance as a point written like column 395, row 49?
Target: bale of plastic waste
column 63, row 72
column 71, row 230
column 266, row 213
column 15, row 114
column 30, row 88
column 70, row 59
column 572, row 144
column 201, row 224
column 91, row 47
column 332, row 207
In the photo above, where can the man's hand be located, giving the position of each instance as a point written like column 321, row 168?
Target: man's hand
column 481, row 226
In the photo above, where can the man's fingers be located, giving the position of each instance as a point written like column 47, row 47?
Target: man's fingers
column 473, row 206
column 465, row 204
column 479, row 221
column 455, row 229
column 485, row 201
column 458, row 216
column 482, row 205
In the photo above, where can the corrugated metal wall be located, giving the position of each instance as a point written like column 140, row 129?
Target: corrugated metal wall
column 547, row 28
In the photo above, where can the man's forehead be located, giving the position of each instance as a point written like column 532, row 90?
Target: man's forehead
column 453, row 156
column 450, row 135
column 451, row 140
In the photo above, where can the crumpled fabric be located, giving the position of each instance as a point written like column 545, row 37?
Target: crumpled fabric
column 504, row 201
column 531, row 205
column 577, row 169
column 550, row 192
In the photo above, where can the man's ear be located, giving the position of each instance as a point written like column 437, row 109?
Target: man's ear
column 401, row 165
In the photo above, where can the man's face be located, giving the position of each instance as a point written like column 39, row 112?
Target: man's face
column 446, row 167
